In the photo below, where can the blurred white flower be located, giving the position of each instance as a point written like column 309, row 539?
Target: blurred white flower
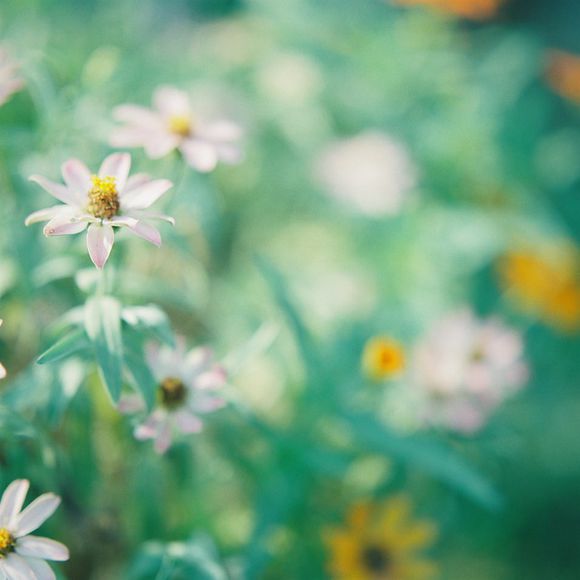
column 172, row 124
column 102, row 202
column 464, row 368
column 371, row 173
column 10, row 82
column 23, row 556
column 2, row 369
column 188, row 385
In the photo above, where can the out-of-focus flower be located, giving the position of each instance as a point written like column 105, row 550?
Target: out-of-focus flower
column 382, row 358
column 10, row 82
column 472, row 9
column 371, row 173
column 102, row 202
column 172, row 124
column 23, row 556
column 464, row 368
column 546, row 287
column 2, row 369
column 380, row 542
column 563, row 74
column 188, row 386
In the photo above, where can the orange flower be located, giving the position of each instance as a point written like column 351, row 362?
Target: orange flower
column 380, row 542
column 472, row 9
column 563, row 74
column 382, row 358
column 545, row 285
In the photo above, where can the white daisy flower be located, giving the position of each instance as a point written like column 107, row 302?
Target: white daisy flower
column 172, row 124
column 101, row 202
column 188, row 385
column 22, row 556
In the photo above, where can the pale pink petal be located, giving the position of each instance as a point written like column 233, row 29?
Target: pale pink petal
column 229, row 153
column 57, row 190
column 12, row 501
column 100, row 239
column 145, row 195
column 44, row 215
column 45, row 548
column 170, row 101
column 64, row 225
column 2, row 371
column 122, row 220
column 131, row 136
column 77, row 177
column 151, row 426
column 137, row 115
column 118, row 166
column 41, row 570
column 163, row 439
column 187, row 422
column 205, row 404
column 131, row 404
column 35, row 514
column 141, row 215
column 135, row 181
column 213, row 379
column 147, row 232
column 223, row 131
column 197, row 360
column 16, row 568
column 200, row 155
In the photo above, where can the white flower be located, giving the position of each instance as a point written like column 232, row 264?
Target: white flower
column 10, row 82
column 465, row 368
column 22, row 556
column 187, row 387
column 370, row 173
column 103, row 201
column 171, row 125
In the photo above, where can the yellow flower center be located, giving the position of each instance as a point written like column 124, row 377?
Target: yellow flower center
column 173, row 392
column 103, row 197
column 181, row 125
column 7, row 542
column 375, row 559
column 382, row 358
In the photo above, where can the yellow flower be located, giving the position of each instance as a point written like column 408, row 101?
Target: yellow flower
column 382, row 358
column 563, row 74
column 473, row 9
column 547, row 286
column 380, row 542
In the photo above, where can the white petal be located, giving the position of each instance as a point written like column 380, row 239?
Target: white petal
column 200, row 155
column 147, row 232
column 118, row 166
column 131, row 404
column 57, row 190
column 151, row 426
column 35, row 514
column 145, row 195
column 136, row 181
column 100, row 239
column 160, row 144
column 2, row 371
column 163, row 439
column 44, row 215
column 136, row 115
column 64, row 224
column 41, row 570
column 142, row 215
column 16, row 568
column 224, row 131
column 170, row 101
column 122, row 220
column 187, row 422
column 12, row 501
column 207, row 404
column 45, row 548
column 212, row 379
column 78, row 178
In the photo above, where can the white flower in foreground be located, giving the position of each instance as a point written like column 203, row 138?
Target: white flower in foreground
column 22, row 556
column 370, row 173
column 2, row 369
column 101, row 202
column 171, row 125
column 188, row 385
column 10, row 82
column 464, row 368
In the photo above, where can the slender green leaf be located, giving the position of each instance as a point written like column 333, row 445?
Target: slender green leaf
column 72, row 343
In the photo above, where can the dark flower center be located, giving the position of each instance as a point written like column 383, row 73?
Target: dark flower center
column 173, row 392
column 376, row 559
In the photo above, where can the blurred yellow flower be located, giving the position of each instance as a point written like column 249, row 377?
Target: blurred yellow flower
column 473, row 9
column 380, row 542
column 563, row 74
column 546, row 287
column 382, row 358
